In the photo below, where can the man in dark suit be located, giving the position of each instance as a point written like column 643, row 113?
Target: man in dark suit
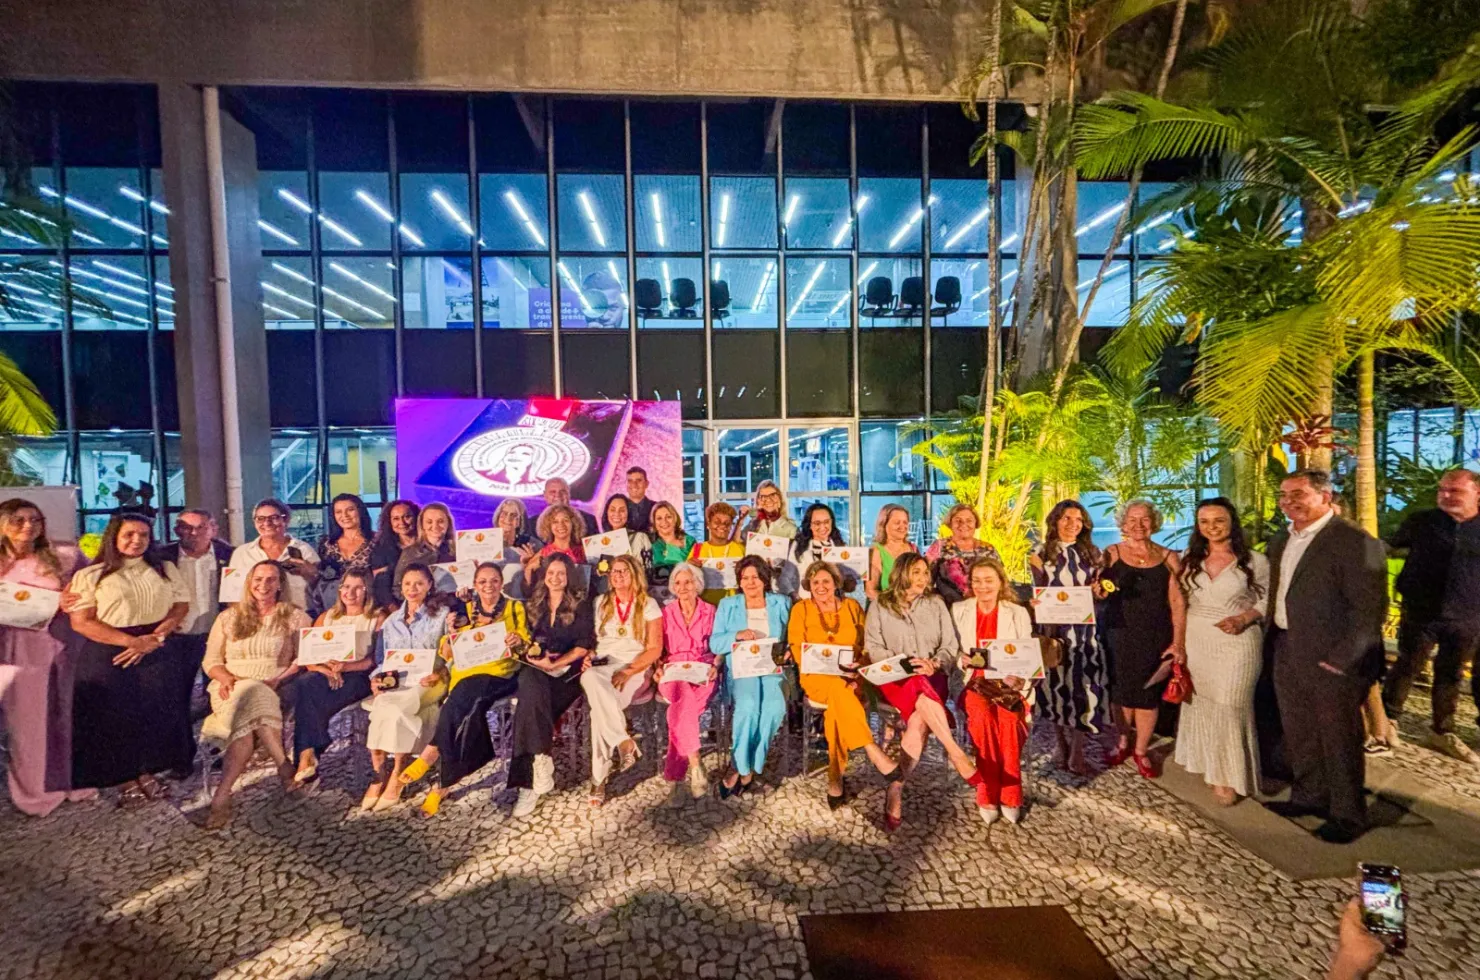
column 1327, row 599
column 200, row 556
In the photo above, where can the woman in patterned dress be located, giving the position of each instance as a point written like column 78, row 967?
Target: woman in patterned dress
column 1073, row 693
column 346, row 548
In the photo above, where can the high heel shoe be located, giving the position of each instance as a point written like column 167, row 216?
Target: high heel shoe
column 371, row 797
column 1144, row 765
column 627, row 759
column 390, row 796
column 1119, row 756
column 726, row 790
column 894, row 791
column 839, row 801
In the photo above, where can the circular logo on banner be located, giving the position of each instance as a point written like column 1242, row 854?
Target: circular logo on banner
column 516, row 462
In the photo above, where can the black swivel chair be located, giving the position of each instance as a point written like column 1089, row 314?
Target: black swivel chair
column 719, row 300
column 948, row 295
column 911, row 297
column 649, row 298
column 683, row 297
column 878, row 297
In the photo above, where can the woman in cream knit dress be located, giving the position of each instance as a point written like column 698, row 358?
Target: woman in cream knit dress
column 249, row 652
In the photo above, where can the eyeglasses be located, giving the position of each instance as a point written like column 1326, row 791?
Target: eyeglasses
column 183, row 528
column 271, row 519
column 28, row 521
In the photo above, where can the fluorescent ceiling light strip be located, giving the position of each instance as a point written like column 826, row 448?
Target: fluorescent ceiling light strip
column 279, row 291
column 25, row 289
column 585, row 198
column 19, row 237
column 611, row 266
column 724, row 219
column 340, row 230
column 657, row 203
column 807, row 289
column 295, row 200
column 276, row 232
column 457, row 272
column 292, row 273
column 714, row 270
column 118, row 270
column 281, row 312
column 760, row 292
column 346, row 273
column 113, row 296
column 839, row 304
column 352, row 302
column 764, row 435
column 367, row 199
column 848, row 224
column 449, row 209
column 791, row 209
column 575, row 287
column 1159, row 219
column 904, row 229
column 667, row 276
column 961, row 232
column 523, row 215
column 1099, row 219
column 865, row 273
column 134, row 195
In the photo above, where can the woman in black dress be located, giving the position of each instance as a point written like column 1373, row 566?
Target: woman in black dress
column 1144, row 619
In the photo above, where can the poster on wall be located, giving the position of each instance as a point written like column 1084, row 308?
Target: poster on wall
column 471, row 453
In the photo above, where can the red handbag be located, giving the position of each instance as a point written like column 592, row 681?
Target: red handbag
column 1179, row 688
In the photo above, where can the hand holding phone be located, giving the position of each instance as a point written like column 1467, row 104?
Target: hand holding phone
column 1384, row 905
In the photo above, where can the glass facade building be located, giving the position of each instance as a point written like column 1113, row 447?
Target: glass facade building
column 809, row 280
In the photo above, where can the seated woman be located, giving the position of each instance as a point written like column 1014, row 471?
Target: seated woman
column 462, row 744
column 831, row 618
column 564, row 634
column 560, row 527
column 688, row 622
column 629, row 640
column 321, row 691
column 910, row 621
column 250, row 652
column 996, row 710
column 719, row 522
column 756, row 613
column 402, row 719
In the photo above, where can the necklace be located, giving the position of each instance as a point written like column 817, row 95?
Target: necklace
column 622, row 614
column 831, row 629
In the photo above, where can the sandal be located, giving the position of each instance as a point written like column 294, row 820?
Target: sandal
column 132, row 797
column 628, row 758
column 894, row 791
column 153, row 788
column 417, row 770
column 598, row 796
column 217, row 818
column 432, row 803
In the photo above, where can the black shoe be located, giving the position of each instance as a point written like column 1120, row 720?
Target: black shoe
column 837, row 802
column 1290, row 810
column 1339, row 832
column 725, row 792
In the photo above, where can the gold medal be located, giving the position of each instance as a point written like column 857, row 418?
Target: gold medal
column 621, row 631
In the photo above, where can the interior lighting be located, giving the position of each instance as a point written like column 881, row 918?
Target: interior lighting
column 292, row 273
column 135, row 196
column 88, row 209
column 117, row 270
column 791, row 209
column 523, row 215
column 867, row 272
column 847, row 225
column 279, row 291
column 281, row 312
column 760, row 293
column 575, row 287
column 277, row 233
column 714, row 271
column 904, row 229
column 453, row 214
column 961, row 232
column 365, row 198
column 657, row 203
column 352, row 302
column 346, row 273
column 611, row 267
column 724, row 219
column 807, row 289
column 1099, row 219
column 294, row 200
column 339, row 230
column 585, row 198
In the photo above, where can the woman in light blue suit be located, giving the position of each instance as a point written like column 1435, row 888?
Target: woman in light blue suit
column 756, row 613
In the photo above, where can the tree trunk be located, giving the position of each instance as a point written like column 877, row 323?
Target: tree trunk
column 1366, row 443
column 1317, row 219
column 988, row 393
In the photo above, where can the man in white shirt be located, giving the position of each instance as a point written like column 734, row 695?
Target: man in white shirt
column 297, row 558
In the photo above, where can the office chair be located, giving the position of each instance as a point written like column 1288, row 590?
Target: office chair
column 648, row 297
column 948, row 295
column 719, row 299
column 878, row 297
column 911, row 297
column 683, row 297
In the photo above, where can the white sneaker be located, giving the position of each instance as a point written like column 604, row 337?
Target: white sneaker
column 1376, row 746
column 990, row 814
column 1451, row 745
column 528, row 800
column 544, row 775
column 698, row 784
column 1012, row 814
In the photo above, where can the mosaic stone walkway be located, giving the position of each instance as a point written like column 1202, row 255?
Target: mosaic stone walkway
column 642, row 888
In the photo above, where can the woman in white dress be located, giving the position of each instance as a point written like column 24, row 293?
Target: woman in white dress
column 1226, row 584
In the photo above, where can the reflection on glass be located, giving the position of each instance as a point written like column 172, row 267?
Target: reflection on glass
column 1101, row 204
column 593, row 292
column 894, row 292
column 816, row 214
column 742, row 212
column 283, row 209
column 667, row 213
column 1113, row 302
column 746, row 457
column 516, row 293
column 818, row 292
column 959, row 220
column 163, row 288
column 34, row 290
column 354, row 213
column 287, row 293
column 436, row 207
column 1154, row 235
column 592, row 213
column 670, row 290
column 105, row 205
column 514, row 214
column 887, row 460
column 113, row 293
column 891, row 218
column 359, row 293
column 41, row 460
column 743, row 292
column 817, row 459
column 117, row 469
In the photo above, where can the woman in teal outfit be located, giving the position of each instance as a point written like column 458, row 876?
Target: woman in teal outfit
column 755, row 613
column 671, row 544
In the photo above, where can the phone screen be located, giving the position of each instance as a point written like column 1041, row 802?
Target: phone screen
column 1384, row 905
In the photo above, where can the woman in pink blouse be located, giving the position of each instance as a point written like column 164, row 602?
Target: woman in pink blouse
column 37, row 701
column 687, row 623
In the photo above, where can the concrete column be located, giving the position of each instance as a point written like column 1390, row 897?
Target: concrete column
column 197, row 347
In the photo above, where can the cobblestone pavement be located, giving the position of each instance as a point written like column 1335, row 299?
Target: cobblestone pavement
column 642, row 888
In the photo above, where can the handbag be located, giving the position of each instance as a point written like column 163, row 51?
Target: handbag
column 1179, row 688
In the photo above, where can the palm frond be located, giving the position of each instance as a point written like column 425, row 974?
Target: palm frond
column 23, row 411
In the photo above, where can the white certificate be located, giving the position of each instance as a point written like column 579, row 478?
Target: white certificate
column 415, row 664
column 1014, row 658
column 453, row 576
column 233, row 584
column 483, row 544
column 1071, row 605
column 327, row 644
column 848, row 557
column 719, row 573
column 825, row 658
column 752, row 658
column 480, row 645
column 607, row 545
column 689, row 671
column 27, row 606
column 885, row 671
column 772, row 547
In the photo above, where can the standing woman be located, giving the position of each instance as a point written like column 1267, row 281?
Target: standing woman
column 462, row 744
column 951, row 557
column 769, row 514
column 321, row 691
column 1226, row 586
column 996, row 710
column 614, row 517
column 128, row 721
column 559, row 527
column 397, row 531
column 249, row 653
column 1145, row 621
column 828, row 616
column 297, row 558
column 37, row 703
column 671, row 544
column 402, row 719
column 564, row 632
column 891, row 539
column 344, row 549
column 756, row 613
column 520, row 544
column 1074, row 692
column 629, row 641
column 435, row 534
column 819, row 530
column 719, row 523
column 688, row 622
column 909, row 620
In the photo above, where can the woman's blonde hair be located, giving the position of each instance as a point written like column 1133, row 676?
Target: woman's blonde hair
column 892, row 598
column 44, row 553
column 1006, row 593
column 451, row 524
column 338, row 610
column 677, row 518
column 886, row 512
column 606, row 606
column 247, row 618
column 959, row 508
column 517, row 506
column 542, row 526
